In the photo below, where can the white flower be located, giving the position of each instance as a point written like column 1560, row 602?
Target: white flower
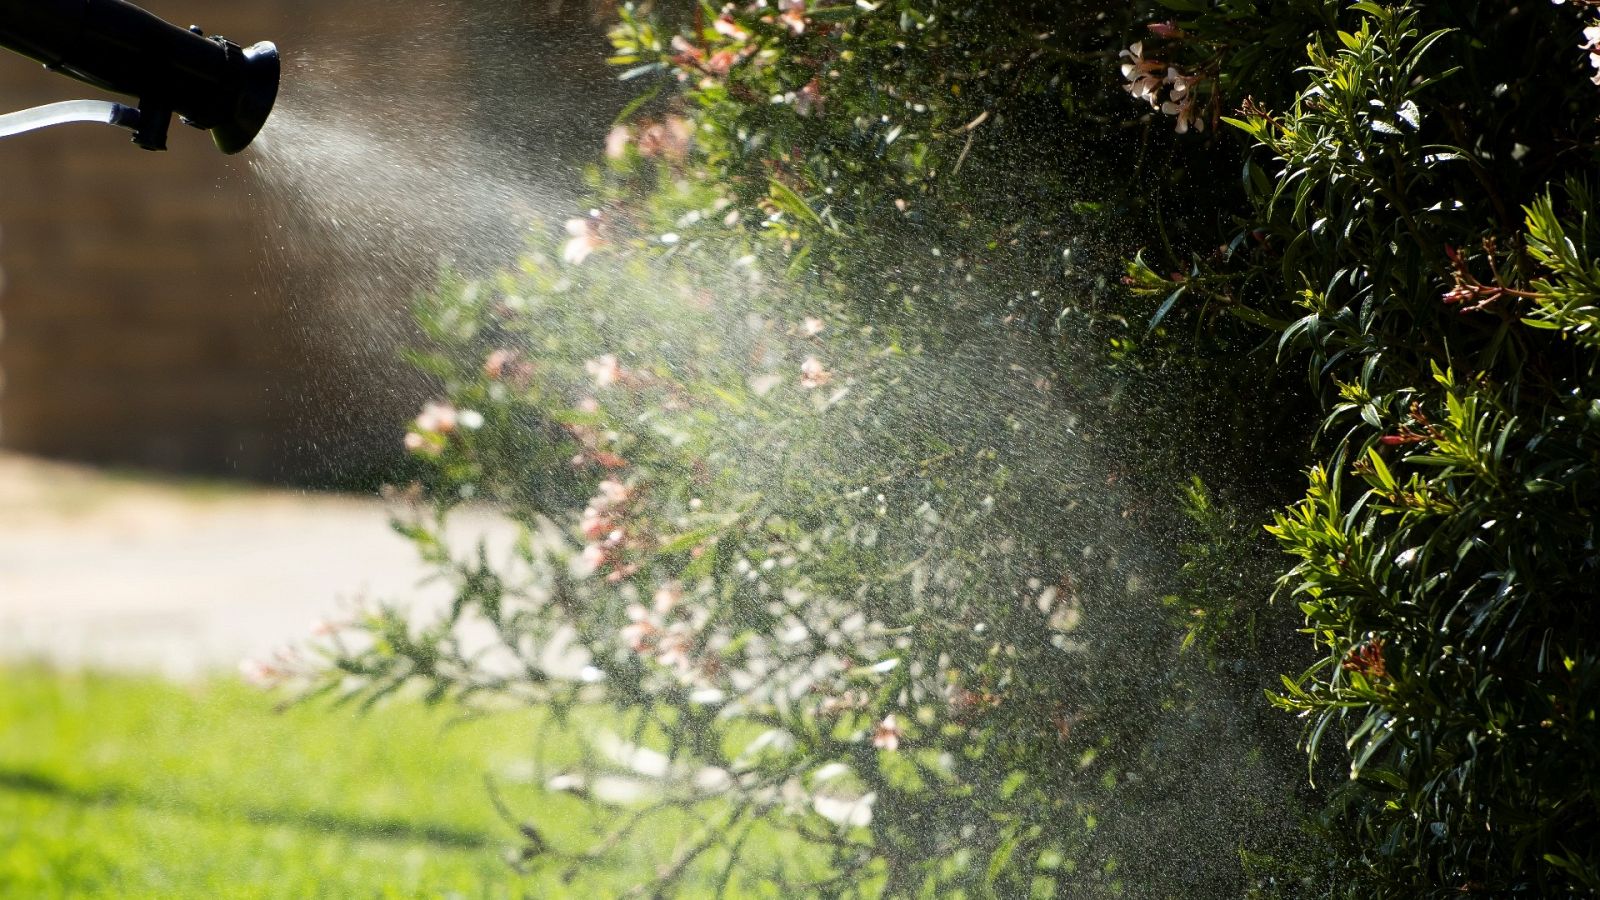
column 812, row 326
column 1179, row 83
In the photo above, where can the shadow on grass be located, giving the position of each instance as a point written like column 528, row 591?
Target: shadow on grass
column 19, row 781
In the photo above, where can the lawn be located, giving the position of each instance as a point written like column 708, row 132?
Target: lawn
column 112, row 786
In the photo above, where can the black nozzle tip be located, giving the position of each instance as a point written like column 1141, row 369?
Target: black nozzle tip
column 257, row 91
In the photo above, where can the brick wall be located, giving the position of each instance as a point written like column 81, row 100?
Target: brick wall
column 144, row 323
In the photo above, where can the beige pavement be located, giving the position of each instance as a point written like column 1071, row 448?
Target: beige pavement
column 136, row 573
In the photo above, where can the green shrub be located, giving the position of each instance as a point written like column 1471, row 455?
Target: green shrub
column 1445, row 551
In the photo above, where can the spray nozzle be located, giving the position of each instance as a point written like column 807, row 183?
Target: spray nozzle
column 212, row 83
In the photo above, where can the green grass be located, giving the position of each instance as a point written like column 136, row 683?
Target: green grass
column 129, row 787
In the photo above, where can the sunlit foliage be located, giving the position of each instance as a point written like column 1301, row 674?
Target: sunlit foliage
column 856, row 428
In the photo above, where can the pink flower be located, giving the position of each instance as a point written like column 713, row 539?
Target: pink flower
column 439, row 418
column 595, row 524
column 507, row 365
column 496, row 363
column 762, row 385
column 685, row 53
column 808, row 100
column 593, row 557
column 690, row 58
column 613, row 492
column 1591, row 43
column 669, row 139
column 887, row 734
column 428, row 433
column 668, row 596
column 617, row 141
column 812, row 326
column 605, row 370
column 1182, row 103
column 1188, row 116
column 426, row 444
column 721, row 62
column 583, row 239
column 1143, row 75
column 812, row 374
column 283, row 665
column 598, row 520
column 260, row 673
column 605, row 459
column 640, row 633
column 728, row 28
column 673, row 649
column 793, row 15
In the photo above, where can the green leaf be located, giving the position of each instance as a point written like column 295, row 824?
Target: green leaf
column 1001, row 858
column 689, row 539
column 1166, row 307
column 792, row 203
column 1381, row 469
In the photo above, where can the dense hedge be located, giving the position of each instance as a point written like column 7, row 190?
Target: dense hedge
column 910, row 404
column 1423, row 209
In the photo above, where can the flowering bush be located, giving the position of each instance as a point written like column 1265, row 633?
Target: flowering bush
column 882, row 518
column 885, row 599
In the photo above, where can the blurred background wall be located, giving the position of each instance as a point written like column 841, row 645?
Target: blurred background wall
column 146, row 321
